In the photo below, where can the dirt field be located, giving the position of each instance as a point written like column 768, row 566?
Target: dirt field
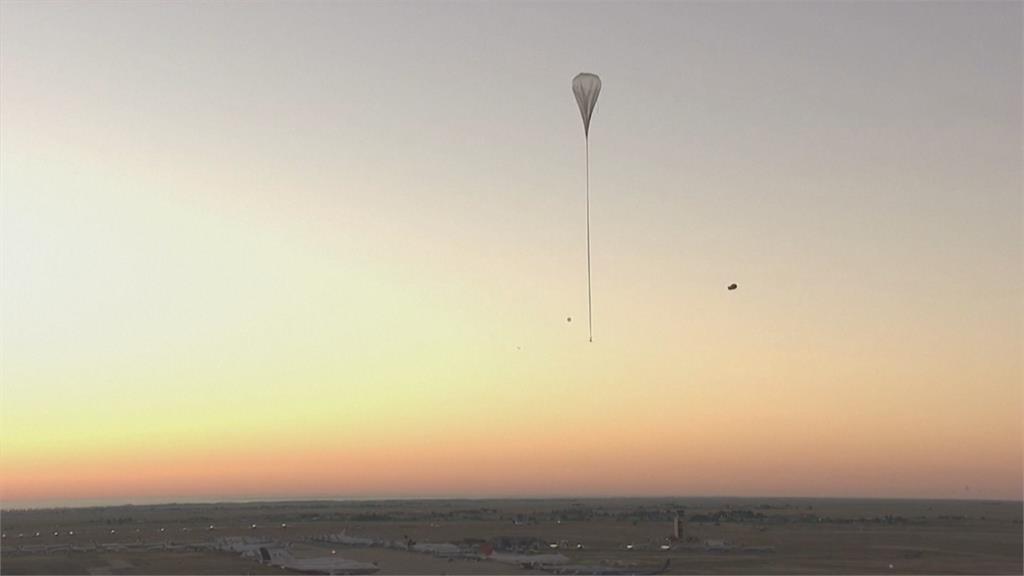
column 720, row 535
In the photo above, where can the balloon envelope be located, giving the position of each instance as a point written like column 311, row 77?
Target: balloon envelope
column 586, row 87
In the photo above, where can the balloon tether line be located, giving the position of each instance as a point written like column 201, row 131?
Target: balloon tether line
column 586, row 87
column 590, row 307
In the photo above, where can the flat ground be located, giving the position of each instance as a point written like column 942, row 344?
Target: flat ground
column 802, row 535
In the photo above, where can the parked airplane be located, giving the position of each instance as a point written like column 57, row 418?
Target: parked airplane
column 329, row 565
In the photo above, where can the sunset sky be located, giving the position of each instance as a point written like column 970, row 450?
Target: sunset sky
column 329, row 250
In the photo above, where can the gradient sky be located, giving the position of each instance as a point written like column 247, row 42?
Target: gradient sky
column 328, row 250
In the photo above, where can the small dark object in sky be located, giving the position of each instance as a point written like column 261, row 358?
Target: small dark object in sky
column 568, row 319
column 731, row 286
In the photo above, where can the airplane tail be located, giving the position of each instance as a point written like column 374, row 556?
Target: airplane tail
column 276, row 556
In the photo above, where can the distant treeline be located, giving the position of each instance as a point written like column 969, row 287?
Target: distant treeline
column 778, row 514
column 750, row 516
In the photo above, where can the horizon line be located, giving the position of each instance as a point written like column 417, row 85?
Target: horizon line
column 272, row 500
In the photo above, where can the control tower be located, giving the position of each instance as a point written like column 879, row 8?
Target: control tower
column 678, row 531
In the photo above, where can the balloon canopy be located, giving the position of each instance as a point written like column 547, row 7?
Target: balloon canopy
column 586, row 87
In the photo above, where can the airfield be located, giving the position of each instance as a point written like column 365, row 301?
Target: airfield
column 580, row 536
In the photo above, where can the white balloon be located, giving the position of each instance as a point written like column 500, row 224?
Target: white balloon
column 586, row 87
